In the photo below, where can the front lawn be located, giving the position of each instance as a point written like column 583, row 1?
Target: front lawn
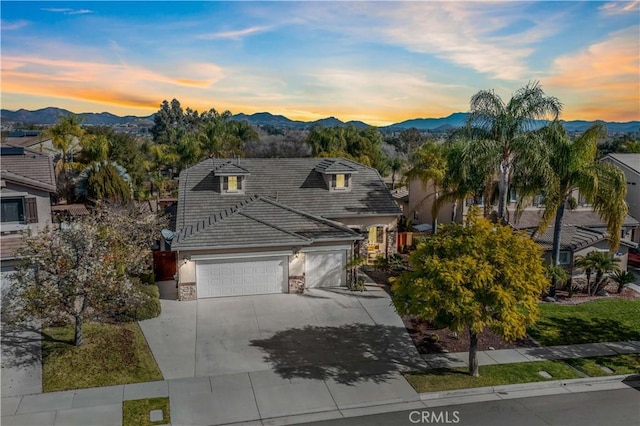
column 607, row 320
column 490, row 375
column 618, row 364
column 112, row 354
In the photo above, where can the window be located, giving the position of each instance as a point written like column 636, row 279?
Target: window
column 232, row 183
column 12, row 210
column 564, row 258
column 339, row 181
column 376, row 235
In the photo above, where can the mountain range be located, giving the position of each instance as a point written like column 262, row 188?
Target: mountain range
column 50, row 116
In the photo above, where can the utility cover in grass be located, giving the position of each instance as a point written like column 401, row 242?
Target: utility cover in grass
column 156, row 415
column 545, row 374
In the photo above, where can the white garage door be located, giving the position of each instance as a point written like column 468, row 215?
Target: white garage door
column 218, row 278
column 325, row 269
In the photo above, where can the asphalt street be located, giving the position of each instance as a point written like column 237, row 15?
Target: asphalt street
column 603, row 408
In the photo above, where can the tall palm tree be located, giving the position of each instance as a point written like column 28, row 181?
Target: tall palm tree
column 505, row 130
column 396, row 164
column 573, row 165
column 65, row 136
column 429, row 165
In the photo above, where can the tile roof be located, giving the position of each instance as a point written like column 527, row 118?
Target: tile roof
column 580, row 217
column 30, row 168
column 572, row 237
column 632, row 161
column 334, row 166
column 259, row 222
column 229, row 169
column 294, row 182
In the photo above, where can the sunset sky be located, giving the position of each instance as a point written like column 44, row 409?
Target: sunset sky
column 379, row 62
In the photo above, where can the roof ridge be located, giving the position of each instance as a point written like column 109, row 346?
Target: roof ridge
column 309, row 215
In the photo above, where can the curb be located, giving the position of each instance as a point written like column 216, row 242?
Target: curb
column 430, row 396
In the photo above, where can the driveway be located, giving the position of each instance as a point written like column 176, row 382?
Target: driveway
column 323, row 333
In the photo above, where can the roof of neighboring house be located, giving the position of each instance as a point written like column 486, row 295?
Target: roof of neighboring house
column 294, row 182
column 28, row 139
column 632, row 161
column 586, row 218
column 573, row 238
column 72, row 209
column 9, row 244
column 260, row 222
column 28, row 168
column 401, row 194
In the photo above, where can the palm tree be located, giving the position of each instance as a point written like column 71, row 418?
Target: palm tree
column 429, row 165
column 396, row 164
column 573, row 165
column 622, row 278
column 504, row 130
column 64, row 137
column 600, row 262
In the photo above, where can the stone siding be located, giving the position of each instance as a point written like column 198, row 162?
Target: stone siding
column 187, row 291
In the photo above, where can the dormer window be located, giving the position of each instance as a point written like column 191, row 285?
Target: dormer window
column 231, row 177
column 337, row 174
column 231, row 183
column 340, row 181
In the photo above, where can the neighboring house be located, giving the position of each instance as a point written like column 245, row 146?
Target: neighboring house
column 582, row 217
column 27, row 182
column 578, row 241
column 255, row 226
column 34, row 140
column 630, row 166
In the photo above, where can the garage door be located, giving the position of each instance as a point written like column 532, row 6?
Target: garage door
column 325, row 269
column 218, row 278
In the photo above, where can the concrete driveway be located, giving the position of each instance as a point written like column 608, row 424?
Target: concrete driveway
column 324, row 333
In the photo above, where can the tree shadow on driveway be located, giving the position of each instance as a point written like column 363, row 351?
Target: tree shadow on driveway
column 347, row 354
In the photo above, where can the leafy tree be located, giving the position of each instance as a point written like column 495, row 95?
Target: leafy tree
column 104, row 181
column 622, row 278
column 601, row 263
column 126, row 150
column 476, row 276
column 84, row 271
column 502, row 131
column 630, row 147
column 95, row 148
column 572, row 166
column 169, row 123
column 362, row 145
column 410, row 140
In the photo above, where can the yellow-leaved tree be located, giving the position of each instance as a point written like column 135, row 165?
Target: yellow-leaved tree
column 478, row 275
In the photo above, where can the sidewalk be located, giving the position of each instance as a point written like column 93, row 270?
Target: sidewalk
column 264, row 397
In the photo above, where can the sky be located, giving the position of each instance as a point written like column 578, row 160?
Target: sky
column 378, row 62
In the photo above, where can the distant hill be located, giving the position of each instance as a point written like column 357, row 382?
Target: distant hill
column 455, row 120
column 50, row 116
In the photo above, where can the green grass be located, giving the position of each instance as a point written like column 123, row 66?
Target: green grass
column 620, row 364
column 607, row 320
column 136, row 412
column 112, row 354
column 490, row 375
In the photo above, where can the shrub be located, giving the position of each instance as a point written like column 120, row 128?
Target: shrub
column 148, row 307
